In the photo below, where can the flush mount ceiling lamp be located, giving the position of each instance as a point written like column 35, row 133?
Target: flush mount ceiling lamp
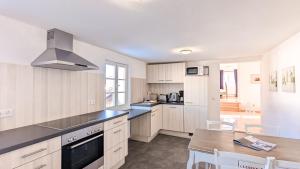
column 130, row 4
column 185, row 51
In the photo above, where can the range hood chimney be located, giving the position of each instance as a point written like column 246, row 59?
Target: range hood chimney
column 59, row 54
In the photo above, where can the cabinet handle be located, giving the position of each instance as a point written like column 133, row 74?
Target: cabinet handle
column 33, row 153
column 41, row 166
column 160, row 80
column 118, row 149
column 118, row 131
column 118, row 122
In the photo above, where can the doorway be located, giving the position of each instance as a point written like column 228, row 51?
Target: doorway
column 240, row 93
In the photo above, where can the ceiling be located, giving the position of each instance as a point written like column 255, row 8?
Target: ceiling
column 154, row 30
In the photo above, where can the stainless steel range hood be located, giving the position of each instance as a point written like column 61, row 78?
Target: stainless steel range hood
column 59, row 54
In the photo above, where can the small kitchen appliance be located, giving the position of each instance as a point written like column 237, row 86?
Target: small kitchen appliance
column 173, row 97
column 181, row 96
column 163, row 98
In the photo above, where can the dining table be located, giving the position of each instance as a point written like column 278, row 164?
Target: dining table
column 204, row 142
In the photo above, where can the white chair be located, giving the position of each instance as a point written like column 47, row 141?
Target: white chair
column 220, row 125
column 262, row 129
column 229, row 160
column 280, row 164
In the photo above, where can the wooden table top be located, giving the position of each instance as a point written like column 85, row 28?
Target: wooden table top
column 208, row 140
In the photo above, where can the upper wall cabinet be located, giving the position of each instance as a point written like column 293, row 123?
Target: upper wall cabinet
column 166, row 73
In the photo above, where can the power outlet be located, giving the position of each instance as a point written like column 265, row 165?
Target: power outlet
column 249, row 165
column 4, row 113
column 92, row 102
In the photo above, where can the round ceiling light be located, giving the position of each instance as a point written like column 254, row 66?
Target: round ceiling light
column 185, row 51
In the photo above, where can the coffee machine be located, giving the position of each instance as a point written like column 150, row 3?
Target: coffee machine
column 181, row 96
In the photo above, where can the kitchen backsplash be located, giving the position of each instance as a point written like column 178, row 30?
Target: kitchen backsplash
column 139, row 88
column 37, row 94
column 165, row 88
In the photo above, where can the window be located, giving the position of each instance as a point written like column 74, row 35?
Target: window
column 115, row 84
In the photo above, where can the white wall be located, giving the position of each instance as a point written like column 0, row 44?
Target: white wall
column 249, row 94
column 21, row 43
column 280, row 108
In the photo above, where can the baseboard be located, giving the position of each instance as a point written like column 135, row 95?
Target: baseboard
column 175, row 133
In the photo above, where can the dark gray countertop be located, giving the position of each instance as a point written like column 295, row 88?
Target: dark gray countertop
column 141, row 104
column 24, row 136
column 134, row 113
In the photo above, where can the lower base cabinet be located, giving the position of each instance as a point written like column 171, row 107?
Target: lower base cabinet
column 115, row 142
column 173, row 117
column 51, row 161
column 194, row 117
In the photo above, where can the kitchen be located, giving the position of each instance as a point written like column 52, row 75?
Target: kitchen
column 125, row 85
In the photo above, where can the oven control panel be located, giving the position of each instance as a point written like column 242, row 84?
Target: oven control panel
column 81, row 133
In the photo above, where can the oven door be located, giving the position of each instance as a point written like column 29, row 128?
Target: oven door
column 86, row 153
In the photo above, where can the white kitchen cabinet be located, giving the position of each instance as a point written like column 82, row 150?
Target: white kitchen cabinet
column 162, row 73
column 152, row 74
column 195, row 90
column 194, row 117
column 115, row 142
column 30, row 153
column 166, row 73
column 51, row 161
column 173, row 117
column 156, row 120
column 115, row 156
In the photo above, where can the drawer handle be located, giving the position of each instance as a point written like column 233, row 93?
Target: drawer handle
column 118, row 149
column 41, row 166
column 33, row 153
column 118, row 122
column 118, row 131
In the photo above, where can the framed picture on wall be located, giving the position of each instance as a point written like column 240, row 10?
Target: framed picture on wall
column 289, row 79
column 273, row 81
column 255, row 78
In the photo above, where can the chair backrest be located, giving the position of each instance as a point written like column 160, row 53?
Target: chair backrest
column 262, row 129
column 280, row 164
column 229, row 160
column 220, row 125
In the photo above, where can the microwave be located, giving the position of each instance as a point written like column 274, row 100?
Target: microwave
column 197, row 70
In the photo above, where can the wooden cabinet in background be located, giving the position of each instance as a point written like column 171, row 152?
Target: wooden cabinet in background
column 194, row 117
column 195, row 90
column 173, row 117
column 166, row 73
column 156, row 120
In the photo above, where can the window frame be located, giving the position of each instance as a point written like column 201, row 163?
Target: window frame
column 116, row 79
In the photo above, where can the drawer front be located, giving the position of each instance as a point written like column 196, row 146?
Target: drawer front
column 51, row 161
column 115, row 122
column 115, row 154
column 114, row 136
column 27, row 154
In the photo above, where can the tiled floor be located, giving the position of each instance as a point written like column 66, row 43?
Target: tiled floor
column 163, row 152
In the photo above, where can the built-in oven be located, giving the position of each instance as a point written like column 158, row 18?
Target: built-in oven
column 83, row 149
